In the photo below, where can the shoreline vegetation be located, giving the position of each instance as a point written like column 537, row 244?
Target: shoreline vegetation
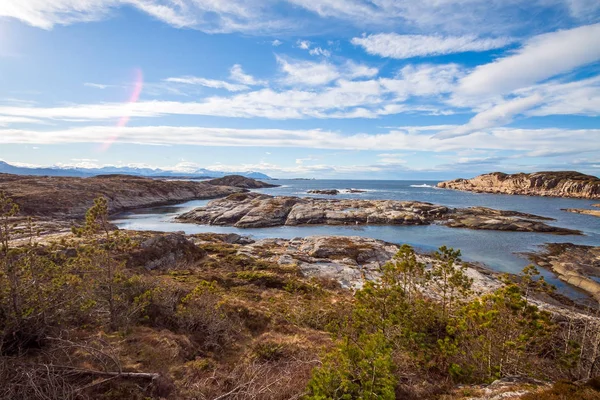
column 98, row 312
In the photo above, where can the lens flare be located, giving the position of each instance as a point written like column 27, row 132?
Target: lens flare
column 138, row 84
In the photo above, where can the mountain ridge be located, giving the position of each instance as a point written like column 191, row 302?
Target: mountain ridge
column 8, row 168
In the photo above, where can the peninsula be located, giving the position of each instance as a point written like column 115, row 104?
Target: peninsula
column 554, row 183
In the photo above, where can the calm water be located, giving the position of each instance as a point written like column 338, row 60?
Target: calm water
column 498, row 250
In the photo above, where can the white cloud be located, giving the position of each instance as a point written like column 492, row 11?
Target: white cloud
column 46, row 14
column 398, row 46
column 237, row 74
column 408, row 138
column 276, row 43
column 497, row 115
column 303, row 44
column 318, row 51
column 423, row 80
column 354, row 70
column 214, row 16
column 319, row 90
column 541, row 57
column 391, row 158
column 6, row 120
column 580, row 97
column 212, row 83
column 313, row 51
column 270, row 16
column 95, row 85
column 307, row 72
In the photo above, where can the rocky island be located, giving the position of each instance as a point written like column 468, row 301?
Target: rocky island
column 330, row 192
column 240, row 181
column 554, row 183
column 254, row 210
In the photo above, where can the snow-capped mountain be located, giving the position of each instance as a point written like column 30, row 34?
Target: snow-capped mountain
column 149, row 172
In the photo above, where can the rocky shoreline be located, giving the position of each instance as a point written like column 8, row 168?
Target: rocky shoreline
column 595, row 213
column 574, row 264
column 69, row 197
column 352, row 260
column 555, row 184
column 253, row 210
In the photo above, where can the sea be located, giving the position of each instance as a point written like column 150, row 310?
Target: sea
column 500, row 251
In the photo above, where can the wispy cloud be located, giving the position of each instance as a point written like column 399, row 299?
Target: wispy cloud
column 420, row 139
column 237, row 74
column 497, row 115
column 306, row 72
column 318, row 51
column 270, row 16
column 211, row 83
column 541, row 57
column 398, row 46
column 96, row 85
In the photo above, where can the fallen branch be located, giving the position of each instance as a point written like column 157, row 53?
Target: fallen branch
column 91, row 372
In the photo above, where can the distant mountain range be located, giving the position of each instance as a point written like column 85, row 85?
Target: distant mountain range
column 149, row 172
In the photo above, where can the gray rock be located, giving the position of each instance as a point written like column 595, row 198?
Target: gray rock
column 254, row 210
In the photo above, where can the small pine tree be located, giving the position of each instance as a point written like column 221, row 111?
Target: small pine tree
column 355, row 369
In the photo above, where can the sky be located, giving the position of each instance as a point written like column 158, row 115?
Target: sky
column 342, row 89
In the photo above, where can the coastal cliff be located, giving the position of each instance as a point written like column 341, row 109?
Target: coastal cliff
column 555, row 184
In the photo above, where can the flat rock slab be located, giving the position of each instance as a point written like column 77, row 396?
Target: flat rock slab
column 574, row 264
column 595, row 213
column 253, row 210
column 349, row 260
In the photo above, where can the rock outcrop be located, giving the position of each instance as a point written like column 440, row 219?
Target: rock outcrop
column 595, row 213
column 349, row 260
column 253, row 210
column 355, row 191
column 574, row 264
column 331, row 192
column 555, row 184
column 240, row 181
column 69, row 197
column 165, row 252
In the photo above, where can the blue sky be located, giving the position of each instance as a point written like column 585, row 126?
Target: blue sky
column 357, row 89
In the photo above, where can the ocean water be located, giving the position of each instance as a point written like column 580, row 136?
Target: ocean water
column 497, row 250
